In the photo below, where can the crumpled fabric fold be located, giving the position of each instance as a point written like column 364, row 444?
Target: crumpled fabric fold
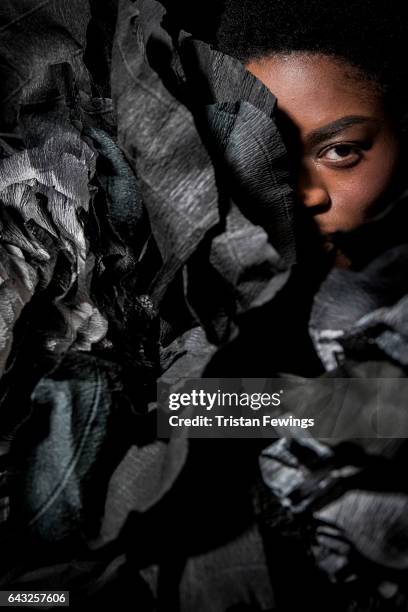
column 194, row 221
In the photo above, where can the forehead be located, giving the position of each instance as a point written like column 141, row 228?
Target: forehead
column 314, row 90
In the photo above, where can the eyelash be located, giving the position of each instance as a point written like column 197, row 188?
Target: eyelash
column 356, row 150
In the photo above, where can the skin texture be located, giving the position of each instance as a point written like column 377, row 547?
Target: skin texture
column 343, row 146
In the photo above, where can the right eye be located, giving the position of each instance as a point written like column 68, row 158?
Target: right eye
column 345, row 155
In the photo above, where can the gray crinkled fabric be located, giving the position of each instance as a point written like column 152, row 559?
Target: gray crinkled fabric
column 80, row 257
column 73, row 327
column 194, row 223
column 146, row 223
column 368, row 302
column 355, row 503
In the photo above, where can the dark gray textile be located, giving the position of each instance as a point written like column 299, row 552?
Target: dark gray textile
column 73, row 227
column 189, row 212
column 149, row 231
column 370, row 302
column 80, row 331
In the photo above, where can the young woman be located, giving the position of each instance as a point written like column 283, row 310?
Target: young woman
column 197, row 526
column 337, row 72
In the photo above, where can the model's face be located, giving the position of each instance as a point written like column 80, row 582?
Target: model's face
column 336, row 129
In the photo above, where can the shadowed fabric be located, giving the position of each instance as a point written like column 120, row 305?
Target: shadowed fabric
column 149, row 233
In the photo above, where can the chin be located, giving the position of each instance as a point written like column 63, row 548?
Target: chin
column 328, row 228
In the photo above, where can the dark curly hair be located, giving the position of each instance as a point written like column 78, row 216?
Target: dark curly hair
column 370, row 35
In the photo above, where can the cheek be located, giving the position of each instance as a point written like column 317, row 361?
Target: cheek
column 354, row 193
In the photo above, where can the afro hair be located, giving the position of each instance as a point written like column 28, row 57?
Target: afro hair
column 368, row 34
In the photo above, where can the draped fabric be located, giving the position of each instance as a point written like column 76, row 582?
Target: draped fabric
column 149, row 232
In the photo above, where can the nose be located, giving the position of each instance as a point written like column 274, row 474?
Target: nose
column 312, row 190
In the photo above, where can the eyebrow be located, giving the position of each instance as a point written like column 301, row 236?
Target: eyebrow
column 325, row 132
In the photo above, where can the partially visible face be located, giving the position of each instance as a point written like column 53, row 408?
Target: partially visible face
column 338, row 131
